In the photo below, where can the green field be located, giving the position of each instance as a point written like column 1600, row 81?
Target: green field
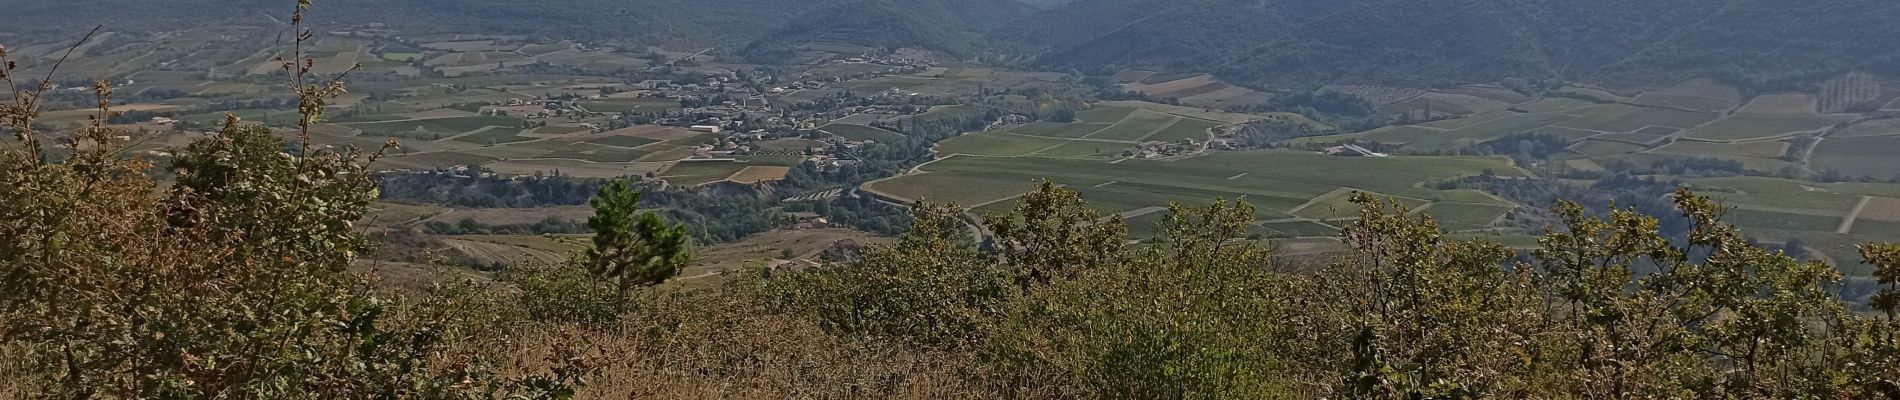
column 494, row 135
column 597, row 153
column 1136, row 127
column 1600, row 148
column 1555, row 104
column 1860, row 156
column 1301, row 229
column 624, row 141
column 966, row 188
column 1480, row 132
column 628, row 104
column 1748, row 218
column 1745, row 149
column 694, row 173
column 1275, row 181
column 1747, row 126
column 861, row 132
column 1466, row 216
column 1104, row 115
column 996, row 144
column 1058, row 130
column 1186, row 128
column 1084, row 149
column 445, row 126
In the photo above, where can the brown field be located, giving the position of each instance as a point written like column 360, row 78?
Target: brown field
column 1881, row 209
column 515, row 216
column 497, row 253
column 754, row 250
column 756, row 174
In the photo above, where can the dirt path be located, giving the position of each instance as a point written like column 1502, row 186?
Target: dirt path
column 1847, row 223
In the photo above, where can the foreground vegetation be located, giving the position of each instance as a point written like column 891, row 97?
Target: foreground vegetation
column 240, row 278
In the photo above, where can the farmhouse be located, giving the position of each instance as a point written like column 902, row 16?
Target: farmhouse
column 706, row 128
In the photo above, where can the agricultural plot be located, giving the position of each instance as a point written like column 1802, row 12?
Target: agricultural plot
column 1744, row 149
column 1859, row 156
column 1880, row 209
column 756, row 174
column 1058, row 129
column 1084, row 149
column 1750, row 218
column 1879, row 127
column 700, row 172
column 1190, row 112
column 437, row 160
column 1441, row 104
column 1781, row 104
column 1301, row 229
column 1185, row 128
column 1275, row 180
column 624, row 141
column 630, row 104
column 1396, row 135
column 1703, row 95
column 961, row 187
column 1642, row 139
column 861, row 132
column 1466, row 216
column 1104, row 115
column 1627, row 118
column 1754, row 126
column 494, row 135
column 996, row 144
column 1338, row 205
column 1601, row 148
column 1379, row 95
column 1554, row 104
column 441, row 126
column 1783, row 194
column 1492, row 92
column 1852, row 91
column 597, row 153
column 1518, row 123
column 1136, row 126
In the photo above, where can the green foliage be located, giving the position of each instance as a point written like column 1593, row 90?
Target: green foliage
column 234, row 283
column 1192, row 320
column 1053, row 233
column 926, row 290
column 633, row 248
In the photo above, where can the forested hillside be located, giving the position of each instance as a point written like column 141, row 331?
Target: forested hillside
column 1303, row 43
column 952, row 26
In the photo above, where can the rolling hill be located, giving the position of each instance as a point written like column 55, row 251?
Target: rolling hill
column 1300, row 43
column 951, row 26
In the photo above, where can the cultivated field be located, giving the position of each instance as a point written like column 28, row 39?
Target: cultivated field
column 1276, row 181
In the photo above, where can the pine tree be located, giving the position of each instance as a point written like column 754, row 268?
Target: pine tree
column 633, row 248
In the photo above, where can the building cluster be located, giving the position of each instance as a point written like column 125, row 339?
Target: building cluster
column 1160, row 149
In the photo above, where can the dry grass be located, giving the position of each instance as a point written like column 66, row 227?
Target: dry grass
column 723, row 343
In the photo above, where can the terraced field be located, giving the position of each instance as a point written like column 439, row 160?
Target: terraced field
column 1276, row 181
